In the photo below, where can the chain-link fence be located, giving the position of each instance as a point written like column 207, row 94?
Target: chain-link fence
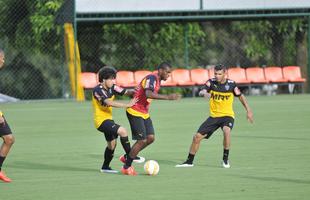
column 35, row 54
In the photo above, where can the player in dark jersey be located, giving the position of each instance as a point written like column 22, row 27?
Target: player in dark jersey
column 221, row 92
column 103, row 101
column 138, row 115
column 5, row 134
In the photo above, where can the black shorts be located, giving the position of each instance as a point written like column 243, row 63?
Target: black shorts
column 5, row 128
column 212, row 124
column 140, row 128
column 109, row 128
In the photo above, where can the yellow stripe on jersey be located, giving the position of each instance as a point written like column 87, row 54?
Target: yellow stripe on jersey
column 101, row 112
column 137, row 113
column 221, row 104
column 1, row 114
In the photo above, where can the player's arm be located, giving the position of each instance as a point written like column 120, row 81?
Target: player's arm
column 129, row 92
column 117, row 104
column 152, row 95
column 245, row 104
column 204, row 92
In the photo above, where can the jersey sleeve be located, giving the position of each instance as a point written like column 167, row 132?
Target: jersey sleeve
column 100, row 96
column 118, row 90
column 236, row 90
column 149, row 83
column 207, row 86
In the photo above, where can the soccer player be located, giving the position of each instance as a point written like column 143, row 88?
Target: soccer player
column 5, row 134
column 103, row 101
column 138, row 115
column 221, row 92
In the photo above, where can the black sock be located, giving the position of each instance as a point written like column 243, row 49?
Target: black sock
column 128, row 162
column 108, row 156
column 1, row 161
column 126, row 144
column 190, row 158
column 225, row 154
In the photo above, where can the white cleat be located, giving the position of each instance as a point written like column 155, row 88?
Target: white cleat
column 225, row 164
column 109, row 171
column 185, row 165
column 139, row 159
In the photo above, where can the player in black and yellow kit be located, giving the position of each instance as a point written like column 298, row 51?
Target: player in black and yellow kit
column 103, row 101
column 5, row 134
column 221, row 92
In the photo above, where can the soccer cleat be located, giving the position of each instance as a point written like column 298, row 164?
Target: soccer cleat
column 185, row 164
column 4, row 178
column 108, row 170
column 136, row 160
column 225, row 164
column 139, row 159
column 129, row 171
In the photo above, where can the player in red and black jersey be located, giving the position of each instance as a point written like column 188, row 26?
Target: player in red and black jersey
column 138, row 115
column 5, row 134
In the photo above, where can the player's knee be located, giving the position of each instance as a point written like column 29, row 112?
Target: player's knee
column 150, row 139
column 9, row 139
column 197, row 138
column 122, row 132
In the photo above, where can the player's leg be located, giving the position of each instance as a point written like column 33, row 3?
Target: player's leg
column 109, row 128
column 192, row 150
column 8, row 141
column 227, row 127
column 205, row 130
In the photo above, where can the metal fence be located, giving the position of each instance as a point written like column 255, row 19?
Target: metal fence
column 35, row 54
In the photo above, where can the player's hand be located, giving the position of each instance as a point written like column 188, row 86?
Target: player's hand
column 174, row 96
column 1, row 120
column 250, row 116
column 205, row 94
column 133, row 102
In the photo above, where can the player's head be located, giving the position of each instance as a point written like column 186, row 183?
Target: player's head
column 1, row 58
column 164, row 70
column 220, row 72
column 107, row 76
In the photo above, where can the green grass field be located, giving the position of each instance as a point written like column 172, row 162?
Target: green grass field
column 58, row 153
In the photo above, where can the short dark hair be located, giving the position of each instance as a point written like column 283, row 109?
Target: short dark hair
column 164, row 65
column 220, row 67
column 106, row 72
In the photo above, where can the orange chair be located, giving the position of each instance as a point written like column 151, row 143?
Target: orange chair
column 125, row 79
column 274, row 75
column 199, row 76
column 88, row 80
column 256, row 75
column 238, row 75
column 139, row 75
column 182, row 77
column 168, row 83
column 293, row 74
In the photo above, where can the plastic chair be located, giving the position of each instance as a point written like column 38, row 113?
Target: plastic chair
column 139, row 75
column 88, row 80
column 182, row 77
column 274, row 75
column 256, row 75
column 199, row 76
column 125, row 79
column 238, row 75
column 293, row 74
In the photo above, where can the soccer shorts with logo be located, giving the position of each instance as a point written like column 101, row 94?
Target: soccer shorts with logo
column 5, row 128
column 140, row 128
column 109, row 128
column 209, row 126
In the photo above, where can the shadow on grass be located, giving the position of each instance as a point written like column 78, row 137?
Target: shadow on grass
column 275, row 179
column 48, row 167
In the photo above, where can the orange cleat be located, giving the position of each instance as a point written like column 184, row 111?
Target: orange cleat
column 122, row 159
column 129, row 171
column 4, row 178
